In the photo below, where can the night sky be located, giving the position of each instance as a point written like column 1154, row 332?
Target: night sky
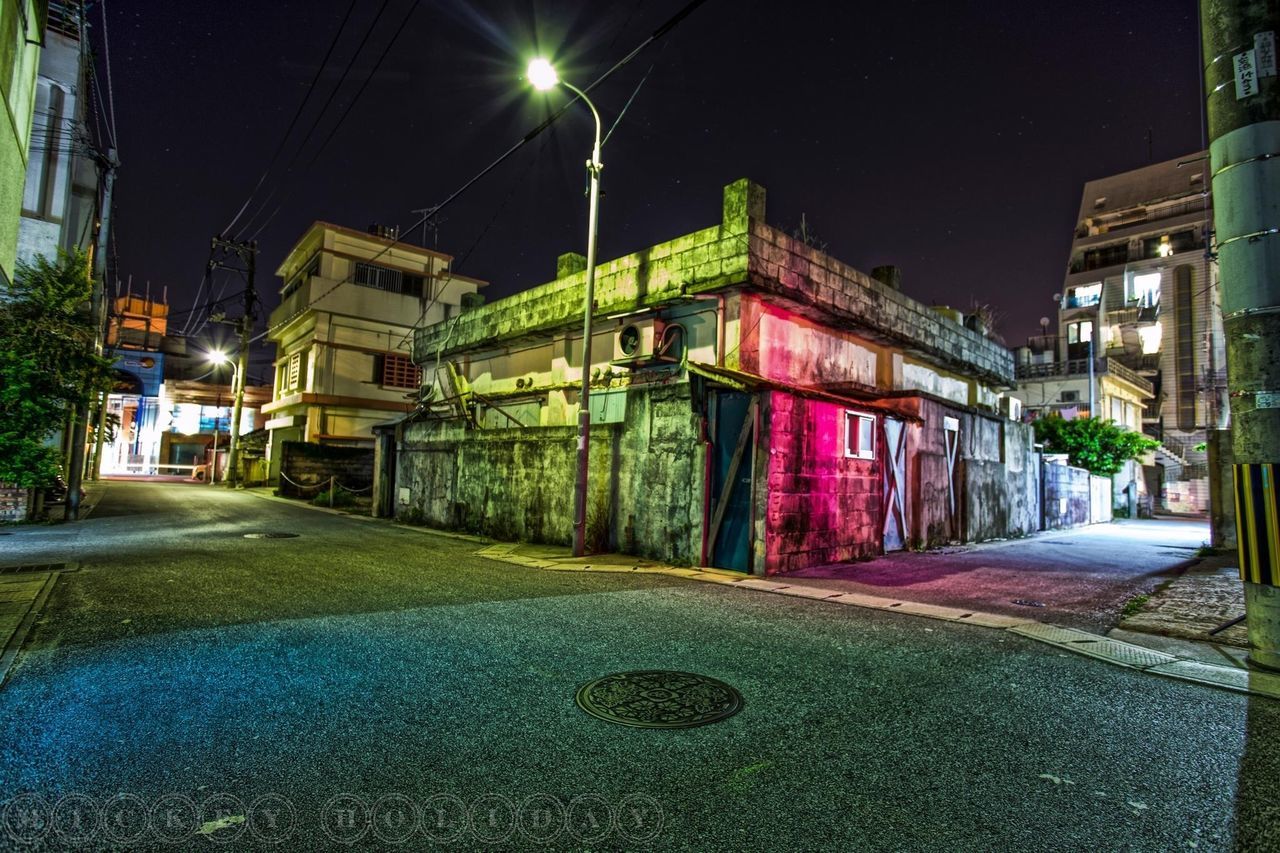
column 951, row 139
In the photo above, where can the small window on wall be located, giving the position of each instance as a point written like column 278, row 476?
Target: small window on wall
column 859, row 435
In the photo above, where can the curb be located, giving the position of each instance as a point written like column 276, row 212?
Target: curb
column 1115, row 652
column 430, row 531
column 19, row 636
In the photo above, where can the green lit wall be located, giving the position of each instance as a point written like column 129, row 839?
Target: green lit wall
column 21, row 26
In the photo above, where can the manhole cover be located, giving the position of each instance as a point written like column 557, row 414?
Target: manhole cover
column 1027, row 602
column 270, row 536
column 658, row 699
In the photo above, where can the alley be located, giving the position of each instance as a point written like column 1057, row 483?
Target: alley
column 184, row 666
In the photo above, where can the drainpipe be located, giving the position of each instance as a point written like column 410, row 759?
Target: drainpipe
column 1242, row 101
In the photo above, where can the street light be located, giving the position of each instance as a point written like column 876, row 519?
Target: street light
column 543, row 77
column 218, row 357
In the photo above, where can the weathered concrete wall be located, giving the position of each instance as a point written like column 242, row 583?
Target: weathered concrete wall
column 1067, row 496
column 645, row 493
column 997, row 478
column 812, row 280
column 1100, row 503
column 821, row 507
column 308, row 463
column 14, row 503
column 1001, row 479
column 787, row 347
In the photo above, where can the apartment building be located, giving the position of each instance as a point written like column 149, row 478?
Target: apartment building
column 1140, row 303
column 343, row 332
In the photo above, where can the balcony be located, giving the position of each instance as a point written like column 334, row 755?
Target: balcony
column 1134, row 314
column 1078, row 367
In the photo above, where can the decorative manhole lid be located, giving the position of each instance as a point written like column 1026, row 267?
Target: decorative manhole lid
column 659, row 699
column 270, row 535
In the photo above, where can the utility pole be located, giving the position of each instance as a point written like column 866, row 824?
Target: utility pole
column 247, row 253
column 1242, row 103
column 97, row 272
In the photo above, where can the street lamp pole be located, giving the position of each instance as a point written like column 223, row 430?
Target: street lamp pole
column 544, row 77
column 237, row 392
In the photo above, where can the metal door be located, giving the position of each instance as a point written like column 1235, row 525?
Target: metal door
column 895, row 484
column 732, row 457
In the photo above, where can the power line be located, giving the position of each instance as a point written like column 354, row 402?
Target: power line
column 350, row 106
column 319, row 117
column 106, row 61
column 294, row 121
column 527, row 138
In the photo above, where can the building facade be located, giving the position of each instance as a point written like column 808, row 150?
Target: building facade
column 343, row 331
column 60, row 198
column 22, row 25
column 1140, row 298
column 756, row 405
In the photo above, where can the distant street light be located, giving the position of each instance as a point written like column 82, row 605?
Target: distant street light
column 237, row 389
column 543, row 77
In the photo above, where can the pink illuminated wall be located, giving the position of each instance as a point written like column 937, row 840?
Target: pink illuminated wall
column 784, row 346
column 821, row 506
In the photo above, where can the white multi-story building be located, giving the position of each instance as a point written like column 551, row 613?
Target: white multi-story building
column 343, row 332
column 1141, row 297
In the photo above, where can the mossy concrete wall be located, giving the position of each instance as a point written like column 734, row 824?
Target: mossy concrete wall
column 741, row 251
column 645, row 495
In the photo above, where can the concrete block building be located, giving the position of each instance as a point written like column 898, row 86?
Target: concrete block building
column 756, row 405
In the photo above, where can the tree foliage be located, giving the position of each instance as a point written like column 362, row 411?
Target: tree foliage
column 1101, row 447
column 47, row 363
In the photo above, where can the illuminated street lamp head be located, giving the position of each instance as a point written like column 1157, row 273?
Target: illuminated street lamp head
column 542, row 75
column 218, row 357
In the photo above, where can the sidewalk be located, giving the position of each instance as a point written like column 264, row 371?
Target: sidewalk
column 1206, row 596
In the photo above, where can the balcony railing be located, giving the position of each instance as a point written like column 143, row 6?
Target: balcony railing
column 1080, row 367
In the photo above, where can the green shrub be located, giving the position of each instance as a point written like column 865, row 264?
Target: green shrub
column 340, row 498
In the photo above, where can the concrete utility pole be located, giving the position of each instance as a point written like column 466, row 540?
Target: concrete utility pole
column 1242, row 102
column 247, row 252
column 97, row 272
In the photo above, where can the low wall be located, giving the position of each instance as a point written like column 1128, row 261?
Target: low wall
column 645, row 490
column 1073, row 497
column 14, row 503
column 313, row 464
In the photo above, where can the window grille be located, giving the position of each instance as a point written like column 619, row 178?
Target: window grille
column 397, row 371
column 379, row 278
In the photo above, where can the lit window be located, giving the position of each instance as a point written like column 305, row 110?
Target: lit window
column 1150, row 338
column 1146, row 289
column 1080, row 333
column 859, row 435
column 1165, row 249
column 1086, row 295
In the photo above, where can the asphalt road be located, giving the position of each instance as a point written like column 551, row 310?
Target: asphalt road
column 187, row 678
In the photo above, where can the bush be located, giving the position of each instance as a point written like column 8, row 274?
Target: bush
column 1098, row 446
column 340, row 498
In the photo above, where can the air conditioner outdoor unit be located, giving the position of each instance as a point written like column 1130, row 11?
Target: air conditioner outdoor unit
column 637, row 338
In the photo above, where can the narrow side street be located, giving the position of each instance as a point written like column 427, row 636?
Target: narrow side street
column 184, row 664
